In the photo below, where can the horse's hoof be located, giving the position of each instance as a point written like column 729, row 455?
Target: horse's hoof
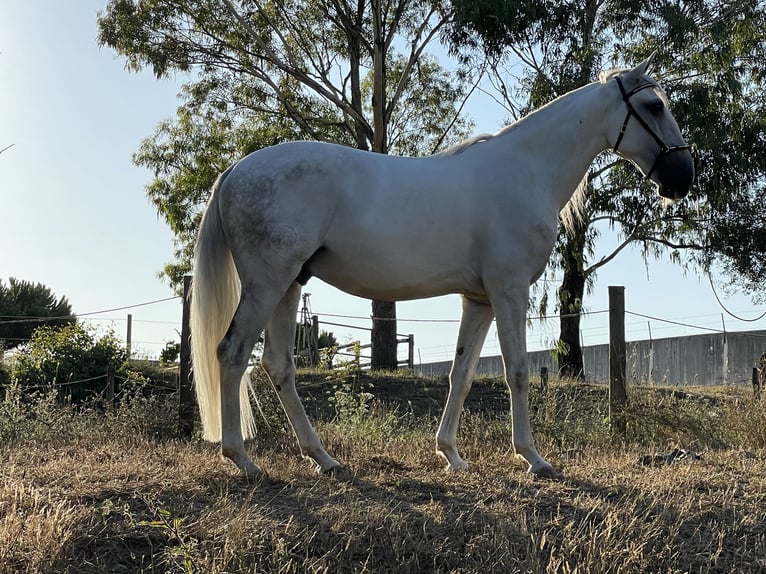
column 545, row 471
column 255, row 475
column 338, row 472
column 456, row 466
column 329, row 469
column 252, row 473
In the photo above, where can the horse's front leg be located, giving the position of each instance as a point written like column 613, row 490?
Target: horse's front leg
column 474, row 324
column 510, row 311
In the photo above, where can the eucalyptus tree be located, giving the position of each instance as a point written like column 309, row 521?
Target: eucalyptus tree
column 267, row 71
column 712, row 57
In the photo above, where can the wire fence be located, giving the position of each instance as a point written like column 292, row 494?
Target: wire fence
column 538, row 335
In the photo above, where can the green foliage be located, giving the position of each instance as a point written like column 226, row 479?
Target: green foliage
column 351, row 361
column 38, row 416
column 328, row 348
column 169, row 355
column 72, row 359
column 182, row 555
column 494, row 25
column 429, row 98
column 351, row 401
column 24, row 299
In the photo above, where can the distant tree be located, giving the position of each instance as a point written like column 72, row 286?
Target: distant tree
column 169, row 355
column 737, row 244
column 326, row 344
column 327, row 339
column 25, row 306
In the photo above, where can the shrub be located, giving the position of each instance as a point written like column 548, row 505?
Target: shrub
column 71, row 358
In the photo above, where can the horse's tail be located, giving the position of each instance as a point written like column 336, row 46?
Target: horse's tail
column 214, row 298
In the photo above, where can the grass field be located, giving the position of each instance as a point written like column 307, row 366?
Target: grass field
column 83, row 491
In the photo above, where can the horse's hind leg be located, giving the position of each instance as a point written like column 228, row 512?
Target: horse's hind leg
column 233, row 356
column 280, row 366
column 474, row 324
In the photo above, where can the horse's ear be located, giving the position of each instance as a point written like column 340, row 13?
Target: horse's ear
column 643, row 68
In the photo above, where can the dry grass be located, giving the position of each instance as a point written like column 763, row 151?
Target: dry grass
column 108, row 499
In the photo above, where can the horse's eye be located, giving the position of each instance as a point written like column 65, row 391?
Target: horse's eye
column 655, row 107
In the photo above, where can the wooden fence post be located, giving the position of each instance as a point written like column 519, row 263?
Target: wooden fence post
column 186, row 404
column 544, row 380
column 314, row 346
column 129, row 335
column 617, row 358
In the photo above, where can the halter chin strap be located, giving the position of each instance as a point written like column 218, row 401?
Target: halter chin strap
column 664, row 148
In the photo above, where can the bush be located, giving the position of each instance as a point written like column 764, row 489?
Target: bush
column 71, row 359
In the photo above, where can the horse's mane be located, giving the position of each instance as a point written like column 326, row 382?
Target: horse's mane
column 606, row 75
column 460, row 147
column 574, row 210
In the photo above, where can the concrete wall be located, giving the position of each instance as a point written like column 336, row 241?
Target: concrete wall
column 709, row 359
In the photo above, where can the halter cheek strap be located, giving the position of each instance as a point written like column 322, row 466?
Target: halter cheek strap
column 664, row 148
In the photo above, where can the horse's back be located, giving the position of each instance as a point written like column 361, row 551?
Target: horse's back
column 314, row 177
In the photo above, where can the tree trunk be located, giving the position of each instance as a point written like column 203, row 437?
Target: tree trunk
column 383, row 338
column 570, row 296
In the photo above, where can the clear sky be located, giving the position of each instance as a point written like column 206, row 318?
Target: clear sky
column 74, row 215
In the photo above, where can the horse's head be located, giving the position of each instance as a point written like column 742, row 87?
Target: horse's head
column 649, row 135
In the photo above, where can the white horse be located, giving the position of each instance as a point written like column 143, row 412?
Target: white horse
column 479, row 220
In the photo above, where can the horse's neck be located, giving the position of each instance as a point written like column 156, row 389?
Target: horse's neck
column 563, row 137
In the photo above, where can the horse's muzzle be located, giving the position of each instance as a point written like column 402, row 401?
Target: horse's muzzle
column 674, row 173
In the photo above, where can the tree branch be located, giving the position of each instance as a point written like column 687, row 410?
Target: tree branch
column 455, row 117
column 298, row 74
column 415, row 54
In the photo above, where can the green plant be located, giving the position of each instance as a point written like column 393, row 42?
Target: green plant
column 72, row 358
column 351, row 401
column 163, row 520
column 352, row 360
column 169, row 355
column 5, row 371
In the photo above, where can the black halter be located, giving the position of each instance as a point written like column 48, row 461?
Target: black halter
column 664, row 148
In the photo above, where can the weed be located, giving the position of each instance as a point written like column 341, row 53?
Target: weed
column 351, row 400
column 182, row 553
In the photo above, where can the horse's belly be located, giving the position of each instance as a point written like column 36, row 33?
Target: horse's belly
column 379, row 279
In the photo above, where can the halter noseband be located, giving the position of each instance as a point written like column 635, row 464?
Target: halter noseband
column 664, row 148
